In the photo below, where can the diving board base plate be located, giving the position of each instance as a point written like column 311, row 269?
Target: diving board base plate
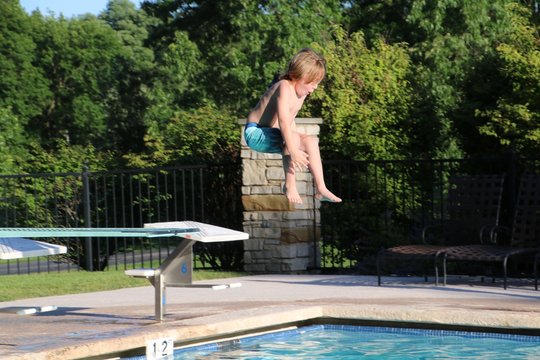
column 27, row 310
column 209, row 286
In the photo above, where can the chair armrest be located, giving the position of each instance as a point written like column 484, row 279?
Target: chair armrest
column 493, row 232
column 427, row 229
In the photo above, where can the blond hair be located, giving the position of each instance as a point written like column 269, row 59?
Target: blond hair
column 306, row 65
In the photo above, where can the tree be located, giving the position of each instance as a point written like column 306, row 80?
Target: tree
column 449, row 40
column 366, row 98
column 13, row 143
column 514, row 118
column 135, row 66
column 23, row 86
column 79, row 56
column 244, row 42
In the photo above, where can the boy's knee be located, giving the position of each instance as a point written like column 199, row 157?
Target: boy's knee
column 310, row 140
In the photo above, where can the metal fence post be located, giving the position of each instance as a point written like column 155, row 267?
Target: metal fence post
column 87, row 218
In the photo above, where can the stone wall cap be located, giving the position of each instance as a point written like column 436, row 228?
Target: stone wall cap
column 299, row 121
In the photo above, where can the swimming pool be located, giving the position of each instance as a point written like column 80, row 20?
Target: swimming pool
column 370, row 342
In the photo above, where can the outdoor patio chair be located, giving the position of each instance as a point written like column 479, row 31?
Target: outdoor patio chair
column 524, row 234
column 473, row 205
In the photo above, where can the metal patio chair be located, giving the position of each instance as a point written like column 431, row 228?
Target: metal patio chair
column 473, row 205
column 524, row 233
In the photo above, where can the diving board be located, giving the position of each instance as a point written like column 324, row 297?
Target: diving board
column 206, row 233
column 177, row 269
column 17, row 248
column 96, row 232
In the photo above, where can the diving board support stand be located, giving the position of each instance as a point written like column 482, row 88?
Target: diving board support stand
column 177, row 269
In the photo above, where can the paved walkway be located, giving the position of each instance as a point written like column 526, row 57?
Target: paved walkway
column 109, row 323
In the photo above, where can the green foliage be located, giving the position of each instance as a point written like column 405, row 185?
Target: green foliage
column 135, row 68
column 79, row 55
column 66, row 157
column 514, row 119
column 50, row 200
column 365, row 99
column 13, row 142
column 173, row 86
column 23, row 86
column 205, row 134
column 244, row 42
column 416, row 78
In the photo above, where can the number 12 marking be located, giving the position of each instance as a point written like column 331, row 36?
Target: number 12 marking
column 159, row 348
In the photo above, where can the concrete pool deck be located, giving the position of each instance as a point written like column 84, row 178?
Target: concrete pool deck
column 105, row 324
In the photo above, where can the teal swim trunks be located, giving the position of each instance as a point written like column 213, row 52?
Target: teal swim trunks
column 263, row 139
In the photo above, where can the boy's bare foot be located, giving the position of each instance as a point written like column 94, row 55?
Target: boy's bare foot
column 326, row 195
column 292, row 194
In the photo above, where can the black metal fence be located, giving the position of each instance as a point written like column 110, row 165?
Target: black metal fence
column 388, row 203
column 130, row 198
column 385, row 203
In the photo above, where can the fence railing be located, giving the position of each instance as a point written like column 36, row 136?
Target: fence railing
column 385, row 203
column 130, row 198
column 388, row 203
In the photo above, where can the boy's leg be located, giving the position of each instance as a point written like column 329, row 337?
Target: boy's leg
column 310, row 145
column 290, row 190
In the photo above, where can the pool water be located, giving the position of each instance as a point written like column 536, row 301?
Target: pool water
column 367, row 342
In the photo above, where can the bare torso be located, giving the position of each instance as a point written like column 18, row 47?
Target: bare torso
column 265, row 113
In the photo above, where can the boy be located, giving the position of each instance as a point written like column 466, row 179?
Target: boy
column 270, row 126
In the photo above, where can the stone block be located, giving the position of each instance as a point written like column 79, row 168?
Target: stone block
column 275, row 173
column 249, row 218
column 261, row 190
column 287, row 251
column 266, row 233
column 266, row 203
column 274, row 267
column 303, row 250
column 298, row 264
column 261, row 255
column 298, row 215
column 253, row 245
column 303, row 176
column 254, row 173
column 245, row 153
column 274, row 216
column 254, row 268
column 296, row 235
column 275, row 163
column 265, row 156
column 305, row 205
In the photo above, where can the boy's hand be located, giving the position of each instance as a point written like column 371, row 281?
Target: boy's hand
column 299, row 160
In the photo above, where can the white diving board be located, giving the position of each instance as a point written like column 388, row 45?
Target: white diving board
column 95, row 232
column 18, row 248
column 175, row 271
column 207, row 233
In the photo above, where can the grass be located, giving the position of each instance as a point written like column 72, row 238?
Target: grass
column 15, row 287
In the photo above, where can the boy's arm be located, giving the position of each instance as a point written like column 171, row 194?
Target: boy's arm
column 299, row 158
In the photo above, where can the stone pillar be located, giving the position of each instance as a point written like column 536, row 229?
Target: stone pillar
column 283, row 236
